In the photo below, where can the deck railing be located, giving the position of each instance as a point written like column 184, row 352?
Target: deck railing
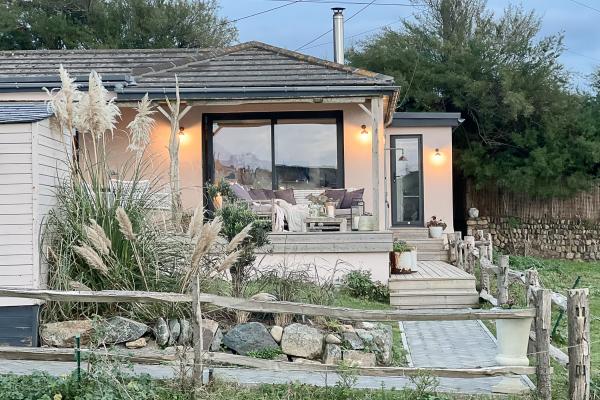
column 473, row 253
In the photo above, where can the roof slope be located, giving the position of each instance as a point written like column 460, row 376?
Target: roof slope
column 12, row 113
column 246, row 70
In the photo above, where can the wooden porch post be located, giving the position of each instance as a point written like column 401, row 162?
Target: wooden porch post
column 377, row 146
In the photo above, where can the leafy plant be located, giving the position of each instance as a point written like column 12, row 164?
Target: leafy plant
column 360, row 284
column 400, row 246
column 266, row 354
column 434, row 222
column 221, row 187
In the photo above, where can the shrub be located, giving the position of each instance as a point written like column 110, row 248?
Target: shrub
column 360, row 284
column 400, row 246
column 266, row 354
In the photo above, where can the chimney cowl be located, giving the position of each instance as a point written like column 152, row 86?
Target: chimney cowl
column 338, row 34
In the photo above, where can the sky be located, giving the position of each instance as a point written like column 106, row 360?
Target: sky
column 296, row 24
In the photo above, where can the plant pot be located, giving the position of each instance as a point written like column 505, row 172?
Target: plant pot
column 513, row 337
column 435, row 232
column 413, row 255
column 367, row 223
column 403, row 262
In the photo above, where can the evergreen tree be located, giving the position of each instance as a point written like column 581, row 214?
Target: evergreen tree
column 73, row 24
column 524, row 129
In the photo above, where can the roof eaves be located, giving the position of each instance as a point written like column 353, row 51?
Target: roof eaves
column 422, row 119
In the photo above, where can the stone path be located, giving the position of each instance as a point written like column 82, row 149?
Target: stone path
column 453, row 344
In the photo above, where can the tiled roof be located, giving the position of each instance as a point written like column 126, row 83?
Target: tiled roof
column 250, row 69
column 11, row 113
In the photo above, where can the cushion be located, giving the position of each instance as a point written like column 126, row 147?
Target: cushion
column 286, row 194
column 337, row 195
column 269, row 194
column 257, row 194
column 349, row 197
column 240, row 192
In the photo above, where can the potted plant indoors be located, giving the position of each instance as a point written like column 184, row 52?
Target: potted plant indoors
column 436, row 227
column 402, row 258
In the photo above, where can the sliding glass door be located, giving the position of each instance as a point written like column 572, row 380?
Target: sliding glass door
column 275, row 150
column 407, row 180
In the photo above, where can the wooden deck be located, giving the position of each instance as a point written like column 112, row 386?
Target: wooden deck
column 435, row 284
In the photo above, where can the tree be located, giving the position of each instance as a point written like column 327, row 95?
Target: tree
column 72, row 24
column 524, row 129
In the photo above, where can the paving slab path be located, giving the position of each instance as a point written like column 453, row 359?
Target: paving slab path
column 453, row 344
column 443, row 344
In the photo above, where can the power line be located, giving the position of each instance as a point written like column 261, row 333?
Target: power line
column 355, row 35
column 582, row 55
column 265, row 11
column 585, row 5
column 358, row 3
column 325, row 33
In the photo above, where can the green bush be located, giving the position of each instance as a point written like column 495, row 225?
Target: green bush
column 400, row 246
column 360, row 284
column 266, row 354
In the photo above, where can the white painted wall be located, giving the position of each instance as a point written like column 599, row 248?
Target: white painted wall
column 437, row 171
column 31, row 159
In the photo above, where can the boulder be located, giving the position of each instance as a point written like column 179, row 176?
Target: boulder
column 332, row 354
column 347, row 328
column 300, row 360
column 358, row 358
column 379, row 339
column 185, row 333
column 333, row 339
column 121, row 330
column 161, row 331
column 251, row 336
column 62, row 334
column 209, row 331
column 366, row 325
column 174, row 331
column 302, row 341
column 136, row 344
column 215, row 345
column 277, row 333
column 353, row 340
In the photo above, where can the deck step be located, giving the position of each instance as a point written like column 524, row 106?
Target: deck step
column 431, row 285
column 432, row 255
column 434, row 301
column 427, row 244
column 434, row 307
column 433, row 292
column 410, row 233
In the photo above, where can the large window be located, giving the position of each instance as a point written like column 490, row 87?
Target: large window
column 275, row 151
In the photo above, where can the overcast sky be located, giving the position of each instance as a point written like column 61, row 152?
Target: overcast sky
column 294, row 25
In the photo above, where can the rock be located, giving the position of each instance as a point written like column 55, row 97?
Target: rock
column 281, row 357
column 185, row 333
column 366, row 325
column 358, row 358
column 302, row 341
column 62, row 334
column 380, row 340
column 264, row 297
column 300, row 360
column 347, row 328
column 353, row 340
column 251, row 336
column 215, row 345
column 332, row 339
column 209, row 331
column 365, row 336
column 174, row 331
column 161, row 331
column 277, row 333
column 121, row 330
column 136, row 344
column 332, row 354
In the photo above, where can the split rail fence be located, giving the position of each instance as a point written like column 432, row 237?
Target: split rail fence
column 472, row 252
column 201, row 300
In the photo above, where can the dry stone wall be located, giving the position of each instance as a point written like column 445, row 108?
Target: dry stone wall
column 545, row 237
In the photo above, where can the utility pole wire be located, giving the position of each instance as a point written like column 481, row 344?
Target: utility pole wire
column 264, row 11
column 329, row 31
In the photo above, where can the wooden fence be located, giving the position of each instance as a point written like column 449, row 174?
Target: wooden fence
column 201, row 300
column 493, row 202
column 477, row 251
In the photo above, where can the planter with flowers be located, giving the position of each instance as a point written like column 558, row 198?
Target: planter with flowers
column 403, row 258
column 436, row 227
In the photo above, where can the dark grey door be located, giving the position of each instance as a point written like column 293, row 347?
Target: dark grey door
column 407, row 180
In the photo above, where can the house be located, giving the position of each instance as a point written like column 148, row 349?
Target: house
column 292, row 120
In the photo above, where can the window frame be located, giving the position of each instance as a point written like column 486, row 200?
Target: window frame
column 207, row 142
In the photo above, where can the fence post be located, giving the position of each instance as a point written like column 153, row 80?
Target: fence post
column 469, row 261
column 490, row 247
column 533, row 281
column 543, row 324
column 578, row 314
column 503, row 280
column 484, row 277
column 198, row 368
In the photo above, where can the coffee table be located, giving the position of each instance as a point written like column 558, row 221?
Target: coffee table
column 324, row 224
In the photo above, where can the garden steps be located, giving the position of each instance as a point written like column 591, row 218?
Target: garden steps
column 409, row 233
column 434, row 284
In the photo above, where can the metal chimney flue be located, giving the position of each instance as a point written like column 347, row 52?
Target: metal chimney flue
column 338, row 35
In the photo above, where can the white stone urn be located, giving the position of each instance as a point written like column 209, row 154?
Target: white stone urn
column 435, row 232
column 404, row 260
column 473, row 212
column 513, row 337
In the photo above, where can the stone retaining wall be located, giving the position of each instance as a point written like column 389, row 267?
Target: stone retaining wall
column 552, row 238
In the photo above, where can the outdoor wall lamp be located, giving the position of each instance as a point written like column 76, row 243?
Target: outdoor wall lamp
column 181, row 131
column 437, row 153
column 364, row 130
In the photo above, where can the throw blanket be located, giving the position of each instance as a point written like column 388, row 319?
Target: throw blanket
column 294, row 214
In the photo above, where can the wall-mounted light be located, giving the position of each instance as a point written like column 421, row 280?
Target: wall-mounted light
column 402, row 156
column 437, row 158
column 437, row 153
column 364, row 130
column 181, row 131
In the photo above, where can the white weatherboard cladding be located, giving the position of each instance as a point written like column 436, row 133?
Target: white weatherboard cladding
column 32, row 159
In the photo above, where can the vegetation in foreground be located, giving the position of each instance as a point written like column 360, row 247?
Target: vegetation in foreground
column 107, row 386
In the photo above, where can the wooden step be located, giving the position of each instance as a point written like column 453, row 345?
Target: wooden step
column 437, row 292
column 427, row 244
column 410, row 233
column 432, row 284
column 435, row 300
column 432, row 255
column 434, row 307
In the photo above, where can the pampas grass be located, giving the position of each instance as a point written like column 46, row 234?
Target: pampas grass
column 229, row 260
column 97, row 238
column 125, row 225
column 196, row 223
column 141, row 126
column 92, row 258
column 62, row 101
column 239, row 238
column 96, row 113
